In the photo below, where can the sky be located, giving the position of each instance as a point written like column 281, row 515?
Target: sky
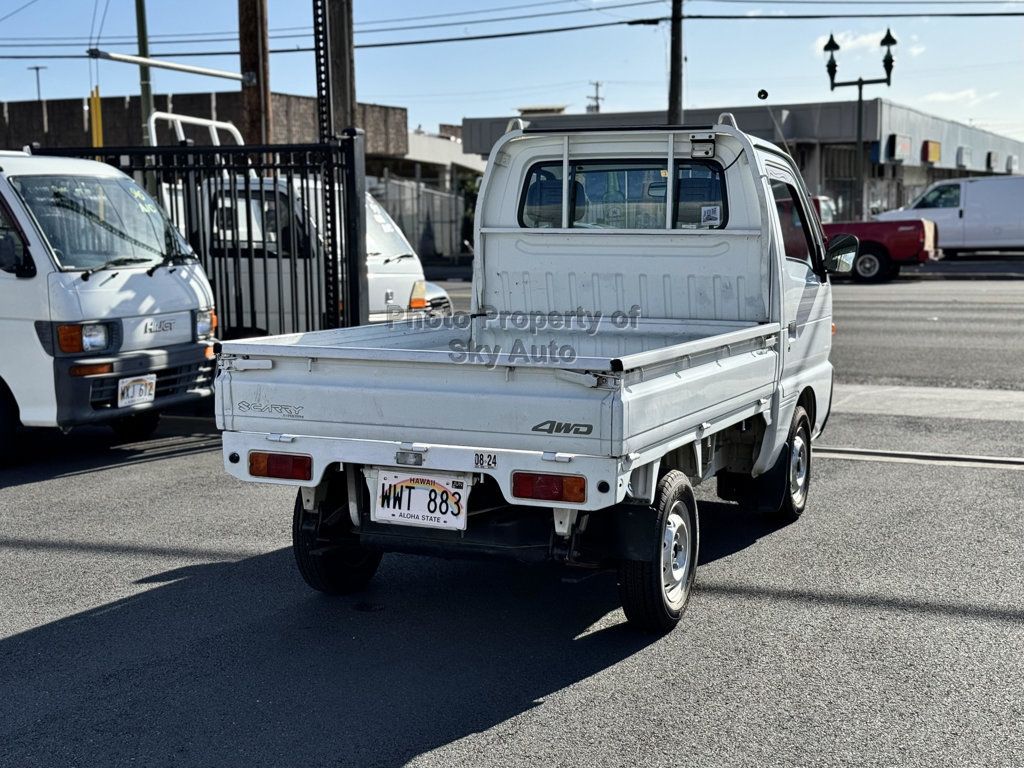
column 967, row 69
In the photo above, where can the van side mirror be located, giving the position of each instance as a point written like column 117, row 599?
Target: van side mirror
column 13, row 256
column 841, row 251
column 25, row 268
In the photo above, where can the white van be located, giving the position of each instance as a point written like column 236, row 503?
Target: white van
column 984, row 213
column 263, row 238
column 105, row 313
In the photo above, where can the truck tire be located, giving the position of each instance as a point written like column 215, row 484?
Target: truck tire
column 798, row 475
column 329, row 560
column 781, row 492
column 9, row 425
column 138, row 426
column 654, row 593
column 871, row 265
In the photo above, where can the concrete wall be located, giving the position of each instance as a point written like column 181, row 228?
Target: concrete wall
column 294, row 121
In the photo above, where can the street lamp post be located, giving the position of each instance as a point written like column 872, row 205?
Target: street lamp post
column 887, row 61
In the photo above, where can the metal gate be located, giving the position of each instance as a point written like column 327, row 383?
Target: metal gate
column 279, row 229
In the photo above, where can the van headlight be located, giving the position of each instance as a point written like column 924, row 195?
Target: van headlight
column 91, row 337
column 94, row 338
column 206, row 323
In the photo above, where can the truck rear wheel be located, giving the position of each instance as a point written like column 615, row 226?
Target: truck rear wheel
column 871, row 265
column 654, row 593
column 329, row 557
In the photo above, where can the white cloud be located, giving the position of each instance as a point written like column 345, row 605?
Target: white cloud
column 916, row 50
column 849, row 41
column 968, row 97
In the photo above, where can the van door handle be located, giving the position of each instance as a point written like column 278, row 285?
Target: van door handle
column 961, row 213
column 791, row 328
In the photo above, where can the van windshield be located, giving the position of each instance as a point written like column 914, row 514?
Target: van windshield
column 384, row 240
column 92, row 221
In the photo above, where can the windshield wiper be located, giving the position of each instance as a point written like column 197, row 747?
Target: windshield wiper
column 120, row 261
column 399, row 257
column 178, row 257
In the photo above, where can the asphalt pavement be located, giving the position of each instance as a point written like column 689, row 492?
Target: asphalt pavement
column 152, row 614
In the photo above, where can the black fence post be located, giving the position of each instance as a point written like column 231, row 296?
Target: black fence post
column 357, row 310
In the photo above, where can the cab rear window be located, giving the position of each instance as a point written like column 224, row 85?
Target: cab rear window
column 624, row 194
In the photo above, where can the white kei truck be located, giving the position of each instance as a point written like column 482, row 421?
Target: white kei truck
column 105, row 313
column 638, row 325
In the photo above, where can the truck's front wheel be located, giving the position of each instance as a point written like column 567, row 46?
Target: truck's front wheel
column 654, row 593
column 329, row 557
column 8, row 426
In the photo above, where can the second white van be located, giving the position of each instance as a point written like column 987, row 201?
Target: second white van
column 973, row 214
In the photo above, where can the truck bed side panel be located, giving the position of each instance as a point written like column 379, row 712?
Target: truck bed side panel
column 472, row 405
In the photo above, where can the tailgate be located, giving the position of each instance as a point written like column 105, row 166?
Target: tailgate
column 522, row 408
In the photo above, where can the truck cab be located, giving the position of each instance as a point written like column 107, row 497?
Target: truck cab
column 105, row 314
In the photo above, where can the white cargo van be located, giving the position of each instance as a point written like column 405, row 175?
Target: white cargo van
column 105, row 314
column 272, row 229
column 985, row 213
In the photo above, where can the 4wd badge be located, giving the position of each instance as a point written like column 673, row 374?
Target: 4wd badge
column 552, row 427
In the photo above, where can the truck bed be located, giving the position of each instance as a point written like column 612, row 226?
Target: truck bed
column 618, row 392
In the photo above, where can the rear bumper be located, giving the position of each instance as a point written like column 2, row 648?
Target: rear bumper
column 183, row 374
column 328, row 451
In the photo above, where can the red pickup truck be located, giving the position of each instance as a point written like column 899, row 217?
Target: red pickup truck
column 885, row 246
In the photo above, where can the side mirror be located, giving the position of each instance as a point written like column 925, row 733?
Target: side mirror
column 25, row 268
column 841, row 251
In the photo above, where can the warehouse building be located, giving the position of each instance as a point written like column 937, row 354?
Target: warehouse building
column 904, row 149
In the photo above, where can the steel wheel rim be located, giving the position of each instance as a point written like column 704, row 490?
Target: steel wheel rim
column 799, row 469
column 868, row 265
column 676, row 555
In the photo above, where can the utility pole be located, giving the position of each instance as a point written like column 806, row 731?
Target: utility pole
column 39, row 97
column 39, row 88
column 145, row 86
column 253, row 38
column 596, row 99
column 675, row 71
column 342, row 63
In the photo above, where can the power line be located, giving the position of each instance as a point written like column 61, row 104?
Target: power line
column 465, row 13
column 697, row 16
column 513, row 18
column 578, row 27
column 18, row 9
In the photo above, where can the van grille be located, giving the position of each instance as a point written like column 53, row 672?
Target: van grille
column 169, row 382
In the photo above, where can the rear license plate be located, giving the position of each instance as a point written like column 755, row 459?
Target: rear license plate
column 138, row 389
column 429, row 501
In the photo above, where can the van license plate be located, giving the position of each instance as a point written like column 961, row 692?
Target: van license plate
column 429, row 501
column 138, row 389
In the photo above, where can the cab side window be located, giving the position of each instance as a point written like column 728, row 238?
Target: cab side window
column 946, row 196
column 796, row 232
column 12, row 247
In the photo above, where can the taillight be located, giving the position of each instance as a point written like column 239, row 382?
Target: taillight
column 285, row 466
column 537, row 485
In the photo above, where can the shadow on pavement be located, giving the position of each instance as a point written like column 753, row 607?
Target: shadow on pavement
column 726, row 529
column 45, row 454
column 239, row 664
